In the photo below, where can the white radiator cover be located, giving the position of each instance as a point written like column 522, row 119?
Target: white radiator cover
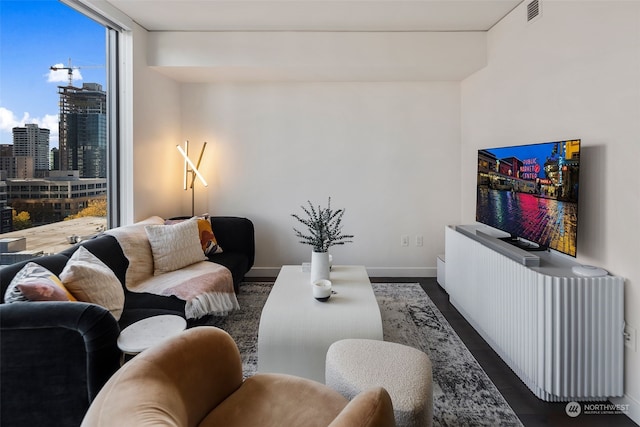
column 560, row 333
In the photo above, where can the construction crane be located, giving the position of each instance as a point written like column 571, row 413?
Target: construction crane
column 71, row 68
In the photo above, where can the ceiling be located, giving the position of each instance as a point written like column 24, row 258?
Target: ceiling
column 241, row 34
column 316, row 15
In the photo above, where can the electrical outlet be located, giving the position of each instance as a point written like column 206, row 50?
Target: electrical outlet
column 419, row 240
column 404, row 240
column 630, row 337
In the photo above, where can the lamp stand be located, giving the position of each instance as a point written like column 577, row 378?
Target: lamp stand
column 193, row 194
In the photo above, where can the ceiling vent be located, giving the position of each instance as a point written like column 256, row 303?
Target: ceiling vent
column 533, row 10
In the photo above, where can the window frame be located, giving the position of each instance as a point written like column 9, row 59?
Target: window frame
column 119, row 69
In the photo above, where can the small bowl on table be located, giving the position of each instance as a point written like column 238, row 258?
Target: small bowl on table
column 321, row 289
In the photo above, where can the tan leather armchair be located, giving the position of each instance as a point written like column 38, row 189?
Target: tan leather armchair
column 195, row 379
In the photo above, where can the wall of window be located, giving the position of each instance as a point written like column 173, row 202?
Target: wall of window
column 53, row 198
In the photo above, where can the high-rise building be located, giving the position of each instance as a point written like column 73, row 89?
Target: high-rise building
column 32, row 141
column 83, row 130
column 17, row 166
column 54, row 159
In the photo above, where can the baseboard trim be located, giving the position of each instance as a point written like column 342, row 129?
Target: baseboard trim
column 632, row 410
column 401, row 271
column 372, row 271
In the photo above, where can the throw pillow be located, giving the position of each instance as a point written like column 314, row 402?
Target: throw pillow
column 43, row 292
column 174, row 246
column 207, row 237
column 36, row 283
column 135, row 244
column 90, row 280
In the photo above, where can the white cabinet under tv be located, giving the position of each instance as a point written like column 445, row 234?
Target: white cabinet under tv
column 561, row 333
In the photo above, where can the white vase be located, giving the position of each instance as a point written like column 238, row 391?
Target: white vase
column 319, row 266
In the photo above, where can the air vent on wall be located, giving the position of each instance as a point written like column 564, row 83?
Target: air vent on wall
column 533, row 10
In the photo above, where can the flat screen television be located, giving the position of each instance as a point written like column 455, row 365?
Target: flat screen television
column 531, row 192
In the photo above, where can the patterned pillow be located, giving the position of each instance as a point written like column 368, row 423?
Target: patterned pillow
column 207, row 237
column 35, row 283
column 90, row 280
column 174, row 246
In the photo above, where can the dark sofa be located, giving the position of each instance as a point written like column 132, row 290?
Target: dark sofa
column 56, row 356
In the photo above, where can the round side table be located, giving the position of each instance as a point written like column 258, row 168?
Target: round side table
column 145, row 333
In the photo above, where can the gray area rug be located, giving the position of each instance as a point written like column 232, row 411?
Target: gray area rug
column 463, row 394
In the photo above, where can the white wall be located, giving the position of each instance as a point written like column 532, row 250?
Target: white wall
column 156, row 176
column 573, row 73
column 295, row 116
column 386, row 152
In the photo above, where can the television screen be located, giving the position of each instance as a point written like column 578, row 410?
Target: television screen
column 531, row 192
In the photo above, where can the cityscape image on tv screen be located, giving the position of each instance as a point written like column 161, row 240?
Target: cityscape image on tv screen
column 531, row 192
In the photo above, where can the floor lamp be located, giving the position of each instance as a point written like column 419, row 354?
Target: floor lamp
column 191, row 170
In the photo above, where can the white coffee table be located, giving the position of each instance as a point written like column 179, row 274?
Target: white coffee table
column 145, row 333
column 296, row 330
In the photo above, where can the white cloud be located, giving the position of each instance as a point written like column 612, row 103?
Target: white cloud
column 62, row 76
column 8, row 120
column 49, row 121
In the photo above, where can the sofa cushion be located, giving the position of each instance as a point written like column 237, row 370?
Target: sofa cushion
column 135, row 245
column 107, row 249
column 174, row 246
column 35, row 283
column 208, row 238
column 90, row 280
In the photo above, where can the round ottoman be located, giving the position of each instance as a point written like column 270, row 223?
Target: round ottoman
column 354, row 365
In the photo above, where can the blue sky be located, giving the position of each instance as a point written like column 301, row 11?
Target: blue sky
column 34, row 35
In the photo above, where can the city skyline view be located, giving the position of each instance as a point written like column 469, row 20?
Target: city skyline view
column 35, row 35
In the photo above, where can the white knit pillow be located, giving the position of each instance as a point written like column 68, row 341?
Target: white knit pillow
column 174, row 246
column 90, row 280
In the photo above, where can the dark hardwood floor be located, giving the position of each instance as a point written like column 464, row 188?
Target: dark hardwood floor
column 531, row 410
